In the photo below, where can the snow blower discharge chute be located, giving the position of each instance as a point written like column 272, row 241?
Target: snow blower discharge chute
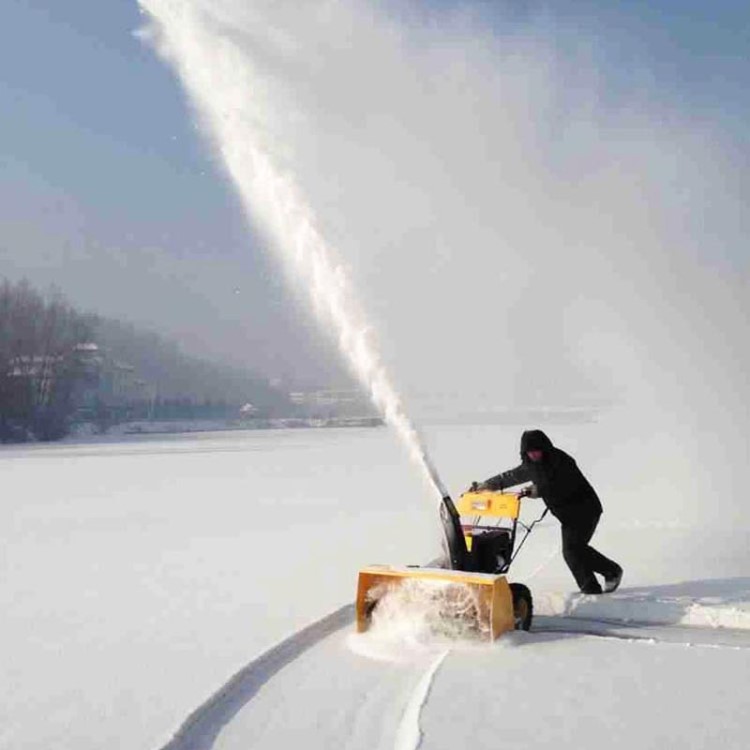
column 480, row 537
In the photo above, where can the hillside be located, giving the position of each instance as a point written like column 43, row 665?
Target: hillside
column 167, row 372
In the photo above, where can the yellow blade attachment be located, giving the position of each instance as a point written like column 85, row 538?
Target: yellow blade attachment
column 491, row 597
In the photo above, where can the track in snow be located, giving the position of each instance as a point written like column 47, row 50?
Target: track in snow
column 200, row 729
column 684, row 635
column 369, row 703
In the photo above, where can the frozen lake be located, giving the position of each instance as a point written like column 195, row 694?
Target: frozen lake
column 138, row 575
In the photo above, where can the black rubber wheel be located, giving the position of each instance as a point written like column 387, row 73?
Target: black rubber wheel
column 523, row 606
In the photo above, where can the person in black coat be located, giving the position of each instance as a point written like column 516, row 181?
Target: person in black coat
column 569, row 496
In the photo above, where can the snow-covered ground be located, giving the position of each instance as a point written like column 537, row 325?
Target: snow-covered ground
column 140, row 576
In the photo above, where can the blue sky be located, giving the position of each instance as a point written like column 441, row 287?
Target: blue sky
column 100, row 160
column 87, row 101
column 100, row 163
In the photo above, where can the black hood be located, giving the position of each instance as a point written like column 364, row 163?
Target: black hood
column 535, row 440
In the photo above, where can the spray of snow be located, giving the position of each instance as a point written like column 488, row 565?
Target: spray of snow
column 420, row 618
column 226, row 90
column 426, row 613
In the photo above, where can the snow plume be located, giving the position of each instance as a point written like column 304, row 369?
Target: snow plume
column 528, row 221
column 217, row 49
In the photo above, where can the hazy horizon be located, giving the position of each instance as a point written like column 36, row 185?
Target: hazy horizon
column 489, row 212
column 537, row 205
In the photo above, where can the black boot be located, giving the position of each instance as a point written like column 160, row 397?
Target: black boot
column 612, row 582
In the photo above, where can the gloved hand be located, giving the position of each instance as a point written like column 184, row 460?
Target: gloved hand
column 476, row 487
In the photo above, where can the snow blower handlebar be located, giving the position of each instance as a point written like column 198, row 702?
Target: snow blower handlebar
column 528, row 528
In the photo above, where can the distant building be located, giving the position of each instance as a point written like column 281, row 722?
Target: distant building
column 104, row 380
column 248, row 410
column 332, row 402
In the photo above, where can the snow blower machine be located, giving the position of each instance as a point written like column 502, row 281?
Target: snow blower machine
column 480, row 538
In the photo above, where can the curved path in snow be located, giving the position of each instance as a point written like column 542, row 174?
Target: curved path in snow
column 325, row 687
column 200, row 729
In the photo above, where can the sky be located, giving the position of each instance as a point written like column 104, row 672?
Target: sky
column 110, row 190
column 107, row 192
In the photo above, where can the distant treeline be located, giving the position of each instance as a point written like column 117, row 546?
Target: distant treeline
column 59, row 365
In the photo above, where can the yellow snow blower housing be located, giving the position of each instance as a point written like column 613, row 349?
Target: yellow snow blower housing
column 484, row 511
column 491, row 601
column 479, row 535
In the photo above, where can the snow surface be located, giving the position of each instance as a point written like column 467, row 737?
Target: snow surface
column 155, row 593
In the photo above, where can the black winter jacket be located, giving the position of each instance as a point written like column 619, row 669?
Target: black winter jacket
column 558, row 480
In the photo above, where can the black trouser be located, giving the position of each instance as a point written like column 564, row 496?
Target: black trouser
column 582, row 559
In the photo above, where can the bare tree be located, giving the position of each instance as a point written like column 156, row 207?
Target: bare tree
column 38, row 369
